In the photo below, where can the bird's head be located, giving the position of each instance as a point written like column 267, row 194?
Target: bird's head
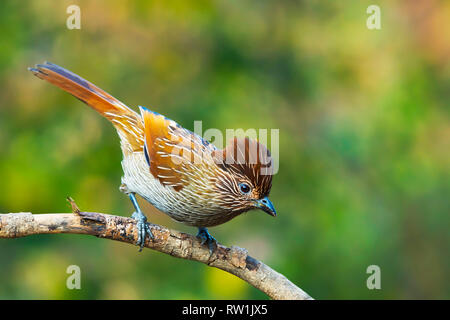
column 245, row 177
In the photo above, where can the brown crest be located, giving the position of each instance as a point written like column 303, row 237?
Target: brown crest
column 249, row 159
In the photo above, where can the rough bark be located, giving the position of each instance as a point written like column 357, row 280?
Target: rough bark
column 234, row 260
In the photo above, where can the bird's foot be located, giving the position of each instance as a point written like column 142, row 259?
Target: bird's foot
column 143, row 228
column 207, row 238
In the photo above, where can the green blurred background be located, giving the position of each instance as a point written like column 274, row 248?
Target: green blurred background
column 364, row 140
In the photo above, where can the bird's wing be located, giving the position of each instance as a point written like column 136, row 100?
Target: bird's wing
column 175, row 155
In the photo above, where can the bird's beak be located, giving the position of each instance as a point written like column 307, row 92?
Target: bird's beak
column 266, row 205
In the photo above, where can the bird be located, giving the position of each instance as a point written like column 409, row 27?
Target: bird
column 174, row 169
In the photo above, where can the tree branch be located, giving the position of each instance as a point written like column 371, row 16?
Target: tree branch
column 234, row 260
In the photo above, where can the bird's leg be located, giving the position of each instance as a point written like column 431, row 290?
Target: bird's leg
column 207, row 238
column 142, row 224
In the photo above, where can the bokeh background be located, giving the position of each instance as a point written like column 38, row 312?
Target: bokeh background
column 364, row 140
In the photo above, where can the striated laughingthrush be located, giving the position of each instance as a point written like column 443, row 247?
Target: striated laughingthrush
column 174, row 169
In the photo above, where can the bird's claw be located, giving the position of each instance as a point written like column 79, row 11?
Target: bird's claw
column 143, row 228
column 207, row 238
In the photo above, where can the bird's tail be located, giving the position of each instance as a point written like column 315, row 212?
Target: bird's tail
column 127, row 122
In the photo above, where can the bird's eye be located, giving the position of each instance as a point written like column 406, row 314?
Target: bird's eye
column 245, row 188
